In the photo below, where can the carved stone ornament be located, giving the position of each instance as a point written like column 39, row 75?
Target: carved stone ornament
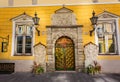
column 22, row 17
column 91, row 52
column 40, row 54
column 107, row 14
column 64, row 24
column 63, row 17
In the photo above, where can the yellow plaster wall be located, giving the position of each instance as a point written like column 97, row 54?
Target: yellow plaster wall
column 83, row 13
column 109, row 57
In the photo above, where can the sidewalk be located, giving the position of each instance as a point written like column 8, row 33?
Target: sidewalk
column 59, row 77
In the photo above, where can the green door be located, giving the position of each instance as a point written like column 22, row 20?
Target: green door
column 64, row 54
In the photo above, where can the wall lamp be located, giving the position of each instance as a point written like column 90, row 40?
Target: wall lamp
column 36, row 23
column 5, row 42
column 93, row 20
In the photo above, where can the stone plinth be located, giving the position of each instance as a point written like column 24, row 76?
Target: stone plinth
column 40, row 55
column 91, row 52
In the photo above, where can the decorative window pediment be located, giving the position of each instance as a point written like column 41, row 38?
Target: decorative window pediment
column 22, row 17
column 23, row 33
column 107, row 14
column 107, row 33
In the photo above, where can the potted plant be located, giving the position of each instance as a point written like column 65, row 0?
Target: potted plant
column 93, row 69
column 37, row 68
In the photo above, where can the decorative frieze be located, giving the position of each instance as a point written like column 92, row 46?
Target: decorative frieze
column 65, row 19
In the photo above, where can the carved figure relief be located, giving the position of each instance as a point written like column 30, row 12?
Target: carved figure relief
column 64, row 17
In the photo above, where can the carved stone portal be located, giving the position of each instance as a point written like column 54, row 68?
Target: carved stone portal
column 91, row 52
column 64, row 25
column 40, row 55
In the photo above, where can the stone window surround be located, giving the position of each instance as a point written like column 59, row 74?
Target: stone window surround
column 21, row 19
column 116, row 20
column 14, row 40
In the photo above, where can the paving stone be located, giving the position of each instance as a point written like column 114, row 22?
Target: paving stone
column 59, row 77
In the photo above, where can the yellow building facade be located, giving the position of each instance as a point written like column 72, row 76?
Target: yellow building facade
column 82, row 12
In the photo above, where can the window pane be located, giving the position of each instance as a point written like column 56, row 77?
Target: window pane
column 19, row 39
column 28, row 49
column 101, row 47
column 108, row 27
column 111, row 44
column 19, row 44
column 20, row 29
column 100, row 30
column 28, row 39
column 111, row 48
column 28, row 44
column 19, row 49
column 29, row 30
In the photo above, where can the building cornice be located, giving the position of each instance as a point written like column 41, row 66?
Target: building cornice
column 73, row 4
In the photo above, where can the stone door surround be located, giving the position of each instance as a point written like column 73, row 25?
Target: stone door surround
column 64, row 24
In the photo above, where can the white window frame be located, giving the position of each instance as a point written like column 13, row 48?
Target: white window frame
column 14, row 38
column 116, row 24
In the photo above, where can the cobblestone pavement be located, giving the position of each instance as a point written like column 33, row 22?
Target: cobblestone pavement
column 59, row 77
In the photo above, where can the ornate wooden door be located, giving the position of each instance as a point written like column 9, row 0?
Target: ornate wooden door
column 64, row 54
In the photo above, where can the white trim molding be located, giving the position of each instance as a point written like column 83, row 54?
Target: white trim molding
column 21, row 19
column 58, row 4
column 109, row 17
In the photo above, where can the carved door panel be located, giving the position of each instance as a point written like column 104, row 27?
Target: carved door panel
column 64, row 54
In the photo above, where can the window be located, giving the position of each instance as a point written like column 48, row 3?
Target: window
column 107, row 38
column 22, row 35
column 107, row 35
column 23, row 39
